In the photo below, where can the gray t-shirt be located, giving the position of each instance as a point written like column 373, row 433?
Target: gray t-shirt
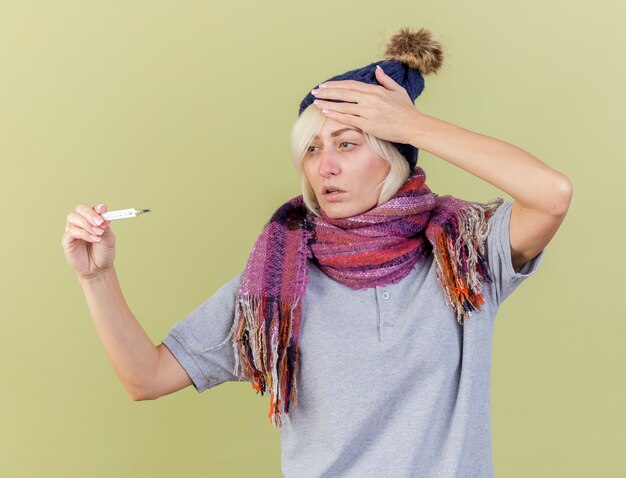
column 389, row 383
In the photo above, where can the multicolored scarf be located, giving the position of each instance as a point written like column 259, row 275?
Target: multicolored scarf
column 375, row 248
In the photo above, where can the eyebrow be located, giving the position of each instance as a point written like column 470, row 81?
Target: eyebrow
column 339, row 131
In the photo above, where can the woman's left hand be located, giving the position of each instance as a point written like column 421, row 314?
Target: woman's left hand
column 386, row 111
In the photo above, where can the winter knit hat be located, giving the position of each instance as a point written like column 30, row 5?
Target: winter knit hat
column 408, row 56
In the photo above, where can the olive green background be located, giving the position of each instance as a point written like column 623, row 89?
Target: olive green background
column 186, row 107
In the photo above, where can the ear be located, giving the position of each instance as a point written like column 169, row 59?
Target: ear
column 386, row 81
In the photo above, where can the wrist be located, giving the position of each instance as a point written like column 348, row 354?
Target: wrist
column 101, row 276
column 419, row 129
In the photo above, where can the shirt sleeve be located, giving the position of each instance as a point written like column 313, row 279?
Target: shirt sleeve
column 505, row 278
column 201, row 342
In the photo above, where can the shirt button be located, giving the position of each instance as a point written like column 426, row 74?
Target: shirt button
column 386, row 295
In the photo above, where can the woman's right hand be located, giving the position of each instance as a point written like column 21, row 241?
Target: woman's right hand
column 88, row 243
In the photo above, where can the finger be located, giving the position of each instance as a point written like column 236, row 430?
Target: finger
column 348, row 84
column 92, row 216
column 347, row 108
column 101, row 209
column 76, row 232
column 385, row 80
column 339, row 94
column 78, row 220
column 348, row 119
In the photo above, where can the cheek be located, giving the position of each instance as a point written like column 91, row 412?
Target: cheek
column 310, row 176
column 374, row 176
column 376, row 170
column 306, row 170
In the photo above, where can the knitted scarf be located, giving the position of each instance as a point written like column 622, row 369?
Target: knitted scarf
column 375, row 248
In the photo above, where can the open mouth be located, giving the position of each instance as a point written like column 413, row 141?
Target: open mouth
column 331, row 194
column 331, row 190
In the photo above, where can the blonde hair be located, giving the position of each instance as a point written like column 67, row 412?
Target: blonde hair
column 309, row 123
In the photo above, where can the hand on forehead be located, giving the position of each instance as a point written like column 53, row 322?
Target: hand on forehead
column 384, row 110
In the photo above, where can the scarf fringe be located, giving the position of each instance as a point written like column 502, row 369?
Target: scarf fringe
column 250, row 343
column 461, row 264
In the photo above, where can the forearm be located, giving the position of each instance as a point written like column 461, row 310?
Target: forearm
column 518, row 173
column 130, row 350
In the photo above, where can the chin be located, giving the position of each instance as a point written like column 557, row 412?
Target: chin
column 335, row 211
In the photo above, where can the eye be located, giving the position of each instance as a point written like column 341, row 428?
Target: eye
column 309, row 150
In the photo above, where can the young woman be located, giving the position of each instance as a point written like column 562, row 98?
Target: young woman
column 367, row 306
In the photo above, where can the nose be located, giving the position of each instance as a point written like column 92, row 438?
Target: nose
column 329, row 163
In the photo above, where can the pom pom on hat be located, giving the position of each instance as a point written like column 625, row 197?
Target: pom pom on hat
column 417, row 49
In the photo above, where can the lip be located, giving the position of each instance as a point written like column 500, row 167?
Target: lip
column 331, row 186
column 332, row 197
